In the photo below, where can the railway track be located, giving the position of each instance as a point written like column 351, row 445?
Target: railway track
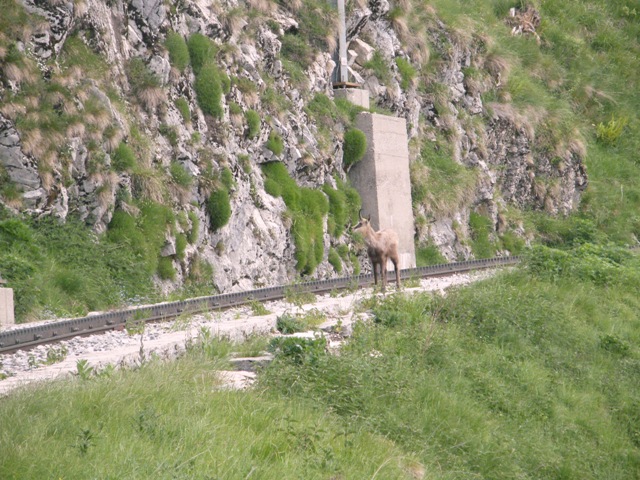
column 32, row 336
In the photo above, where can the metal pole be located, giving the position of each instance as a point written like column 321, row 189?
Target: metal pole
column 341, row 72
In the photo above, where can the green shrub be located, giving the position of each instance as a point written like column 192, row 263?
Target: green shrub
column 378, row 65
column 307, row 208
column 610, row 132
column 195, row 227
column 298, row 350
column 429, row 255
column 407, row 72
column 123, row 159
column 183, row 107
column 226, row 177
column 219, row 208
column 335, row 261
column 178, row 51
column 166, row 271
column 288, row 324
column 180, row 175
column 181, row 245
column 201, row 51
column 275, row 143
column 481, row 228
column 139, row 75
column 253, row 123
column 170, row 133
column 296, row 49
column 208, row 89
column 344, row 205
column 234, row 108
column 355, row 146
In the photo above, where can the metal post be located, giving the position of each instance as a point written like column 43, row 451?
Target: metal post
column 341, row 72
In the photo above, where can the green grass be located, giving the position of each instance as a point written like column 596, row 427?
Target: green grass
column 253, row 123
column 516, row 377
column 438, row 182
column 306, row 208
column 112, row 427
column 219, row 208
column 178, row 50
column 66, row 270
column 530, row 374
column 208, row 89
column 355, row 146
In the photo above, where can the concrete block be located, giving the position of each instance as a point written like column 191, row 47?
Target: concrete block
column 6, row 307
column 383, row 181
column 357, row 96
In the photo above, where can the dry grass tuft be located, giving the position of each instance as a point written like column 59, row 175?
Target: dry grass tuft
column 76, row 130
column 499, row 68
column 33, row 143
column 508, row 112
column 265, row 6
column 148, row 185
column 12, row 110
column 151, row 98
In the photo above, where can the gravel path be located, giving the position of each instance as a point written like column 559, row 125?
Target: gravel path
column 168, row 339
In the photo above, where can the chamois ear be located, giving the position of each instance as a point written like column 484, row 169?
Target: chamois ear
column 369, row 218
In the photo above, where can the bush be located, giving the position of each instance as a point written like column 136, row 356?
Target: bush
column 201, row 51
column 208, row 89
column 334, row 260
column 183, row 107
column 429, row 255
column 139, row 75
column 481, row 228
column 355, row 146
column 226, row 177
column 180, row 175
column 181, row 245
column 195, row 227
column 178, row 50
column 275, row 143
column 165, row 269
column 407, row 72
column 610, row 132
column 219, row 208
column 307, row 208
column 253, row 123
column 123, row 159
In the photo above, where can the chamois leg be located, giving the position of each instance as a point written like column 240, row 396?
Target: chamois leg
column 374, row 265
column 383, row 272
column 395, row 268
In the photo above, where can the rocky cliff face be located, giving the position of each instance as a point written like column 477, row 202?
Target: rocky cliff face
column 88, row 57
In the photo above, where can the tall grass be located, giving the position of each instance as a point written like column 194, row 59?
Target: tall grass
column 172, row 420
column 522, row 376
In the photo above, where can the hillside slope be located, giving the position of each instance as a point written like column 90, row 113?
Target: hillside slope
column 174, row 132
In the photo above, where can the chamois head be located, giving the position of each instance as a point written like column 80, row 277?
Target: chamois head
column 363, row 224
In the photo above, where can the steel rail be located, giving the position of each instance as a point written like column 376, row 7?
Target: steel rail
column 29, row 337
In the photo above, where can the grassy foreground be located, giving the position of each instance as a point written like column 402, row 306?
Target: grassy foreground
column 532, row 374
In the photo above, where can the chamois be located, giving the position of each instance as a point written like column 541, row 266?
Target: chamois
column 381, row 245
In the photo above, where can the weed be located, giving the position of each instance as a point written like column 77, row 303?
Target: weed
column 56, row 355
column 83, row 370
column 84, row 440
column 610, row 132
column 258, row 308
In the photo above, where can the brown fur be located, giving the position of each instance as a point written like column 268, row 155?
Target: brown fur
column 381, row 246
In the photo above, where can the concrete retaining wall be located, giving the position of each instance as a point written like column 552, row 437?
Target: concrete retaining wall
column 6, row 307
column 382, row 178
